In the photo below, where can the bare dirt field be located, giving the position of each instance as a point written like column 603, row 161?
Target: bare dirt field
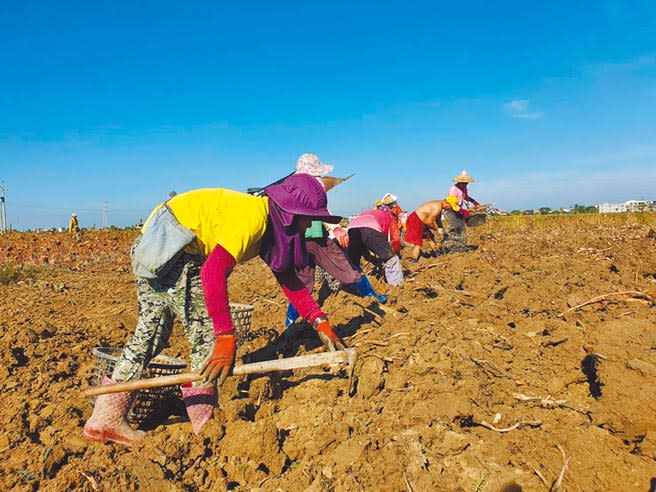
column 470, row 380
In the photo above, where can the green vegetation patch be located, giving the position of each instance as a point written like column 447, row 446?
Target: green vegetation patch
column 11, row 273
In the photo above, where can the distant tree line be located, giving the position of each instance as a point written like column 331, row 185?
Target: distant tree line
column 573, row 209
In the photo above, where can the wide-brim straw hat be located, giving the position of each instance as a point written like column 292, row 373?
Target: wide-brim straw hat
column 329, row 182
column 463, row 177
column 389, row 199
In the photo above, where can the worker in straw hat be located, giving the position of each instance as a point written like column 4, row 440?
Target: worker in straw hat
column 187, row 249
column 391, row 202
column 457, row 212
column 323, row 241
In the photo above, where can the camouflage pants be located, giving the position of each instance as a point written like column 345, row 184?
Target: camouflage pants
column 178, row 294
column 456, row 237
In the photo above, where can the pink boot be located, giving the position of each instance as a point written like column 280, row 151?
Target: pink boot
column 107, row 422
column 199, row 402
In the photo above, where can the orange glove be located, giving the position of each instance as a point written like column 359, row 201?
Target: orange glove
column 342, row 236
column 219, row 363
column 327, row 335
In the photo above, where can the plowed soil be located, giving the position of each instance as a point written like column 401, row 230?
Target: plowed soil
column 468, row 381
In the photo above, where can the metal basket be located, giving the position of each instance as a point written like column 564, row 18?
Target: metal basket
column 476, row 219
column 241, row 320
column 321, row 276
column 148, row 402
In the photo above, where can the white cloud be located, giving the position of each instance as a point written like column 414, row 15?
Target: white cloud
column 519, row 108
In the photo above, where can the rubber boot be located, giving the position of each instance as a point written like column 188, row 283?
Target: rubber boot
column 292, row 315
column 365, row 289
column 200, row 402
column 108, row 423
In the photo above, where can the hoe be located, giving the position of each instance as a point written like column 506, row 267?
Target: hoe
column 348, row 356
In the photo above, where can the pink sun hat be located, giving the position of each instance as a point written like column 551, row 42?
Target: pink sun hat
column 310, row 164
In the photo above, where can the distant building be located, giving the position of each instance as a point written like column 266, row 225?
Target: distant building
column 496, row 211
column 628, row 206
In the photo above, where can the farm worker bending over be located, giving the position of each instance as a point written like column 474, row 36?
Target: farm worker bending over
column 372, row 232
column 324, row 251
column 73, row 225
column 457, row 212
column 188, row 247
column 427, row 216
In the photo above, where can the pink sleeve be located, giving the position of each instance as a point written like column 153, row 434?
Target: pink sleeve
column 214, row 278
column 299, row 296
column 470, row 199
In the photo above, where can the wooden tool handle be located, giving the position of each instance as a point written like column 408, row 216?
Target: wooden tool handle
column 302, row 361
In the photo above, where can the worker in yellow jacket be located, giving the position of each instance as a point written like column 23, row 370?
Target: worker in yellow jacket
column 73, row 225
column 187, row 249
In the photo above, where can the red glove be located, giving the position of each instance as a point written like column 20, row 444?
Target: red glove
column 465, row 213
column 342, row 236
column 327, row 335
column 219, row 363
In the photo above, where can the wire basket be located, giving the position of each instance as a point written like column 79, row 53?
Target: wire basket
column 241, row 320
column 476, row 219
column 149, row 402
column 321, row 276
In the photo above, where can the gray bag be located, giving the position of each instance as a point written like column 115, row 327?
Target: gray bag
column 393, row 271
column 160, row 245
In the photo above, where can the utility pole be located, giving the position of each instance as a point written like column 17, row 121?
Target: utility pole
column 105, row 212
column 3, row 208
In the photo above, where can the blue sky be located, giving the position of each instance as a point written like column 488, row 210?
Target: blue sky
column 545, row 103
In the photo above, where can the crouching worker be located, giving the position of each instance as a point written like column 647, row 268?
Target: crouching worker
column 376, row 232
column 182, row 259
column 426, row 217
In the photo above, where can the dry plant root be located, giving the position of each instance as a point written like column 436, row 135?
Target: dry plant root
column 377, row 317
column 529, row 423
column 556, row 485
column 540, row 476
column 408, row 483
column 547, row 402
column 636, row 295
column 90, row 479
column 378, row 343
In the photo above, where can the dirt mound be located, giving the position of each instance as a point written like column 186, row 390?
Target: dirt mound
column 470, row 346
